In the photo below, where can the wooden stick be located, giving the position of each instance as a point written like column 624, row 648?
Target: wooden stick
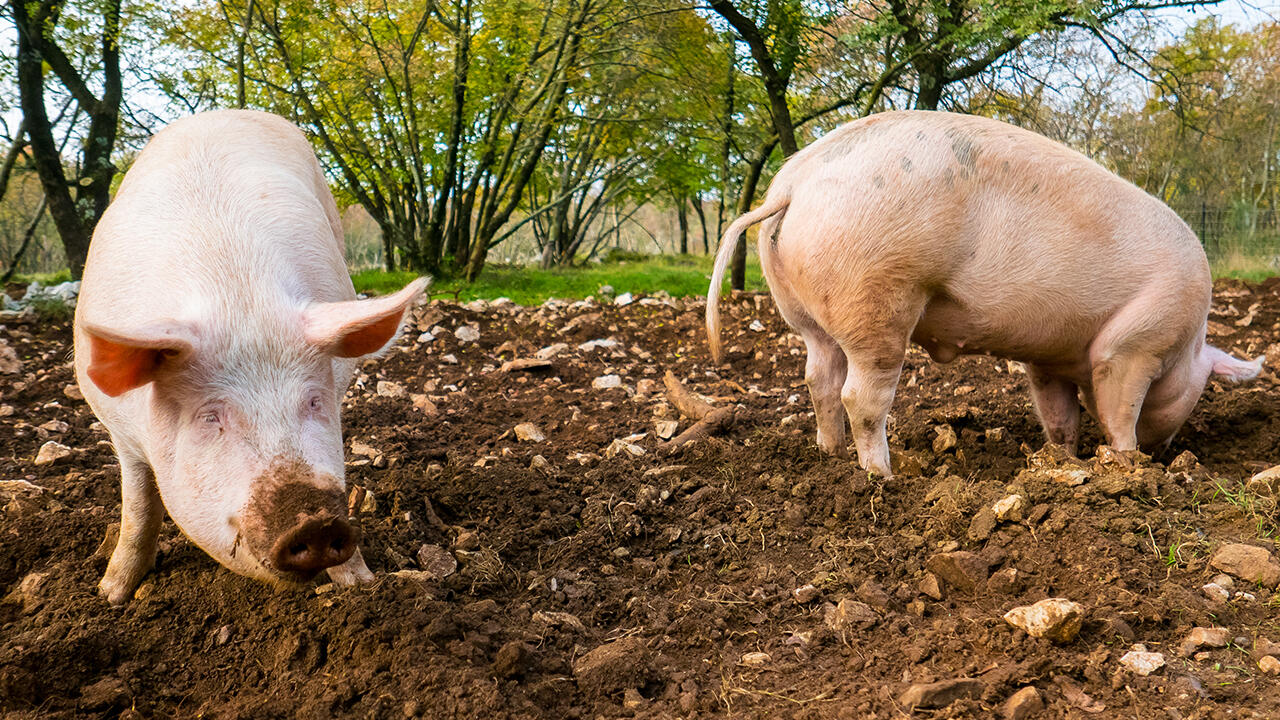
column 689, row 404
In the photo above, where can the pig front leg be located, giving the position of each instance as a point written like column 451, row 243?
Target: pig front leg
column 1057, row 405
column 351, row 572
column 141, row 513
column 825, row 371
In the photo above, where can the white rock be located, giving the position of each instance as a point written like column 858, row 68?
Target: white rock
column 51, row 452
column 528, row 432
column 1057, row 619
column 606, row 343
column 756, row 326
column 388, row 388
column 756, row 659
column 1142, row 662
column 449, row 359
column 620, row 446
column 426, row 337
column 623, row 300
column 606, row 382
column 467, row 333
column 1009, row 509
column 1215, row 592
column 551, row 351
column 666, row 429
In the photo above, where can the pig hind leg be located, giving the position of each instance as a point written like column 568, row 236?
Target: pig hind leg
column 1126, row 358
column 875, row 345
column 825, row 372
column 1057, row 405
column 141, row 515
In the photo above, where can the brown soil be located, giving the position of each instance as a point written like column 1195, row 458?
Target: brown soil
column 685, row 563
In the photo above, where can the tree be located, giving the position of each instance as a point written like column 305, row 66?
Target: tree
column 74, row 212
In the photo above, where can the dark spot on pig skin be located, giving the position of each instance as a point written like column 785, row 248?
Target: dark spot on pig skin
column 878, row 180
column 282, row 495
column 906, row 164
column 965, row 152
column 1035, row 188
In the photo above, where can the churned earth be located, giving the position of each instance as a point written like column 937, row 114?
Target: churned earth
column 573, row 567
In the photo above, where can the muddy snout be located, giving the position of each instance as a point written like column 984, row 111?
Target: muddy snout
column 297, row 528
column 314, row 543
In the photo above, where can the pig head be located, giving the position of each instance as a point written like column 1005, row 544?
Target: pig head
column 216, row 334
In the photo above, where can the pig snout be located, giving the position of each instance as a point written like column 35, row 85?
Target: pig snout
column 295, row 523
column 314, row 543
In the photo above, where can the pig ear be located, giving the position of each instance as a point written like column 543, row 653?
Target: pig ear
column 121, row 360
column 1229, row 368
column 359, row 327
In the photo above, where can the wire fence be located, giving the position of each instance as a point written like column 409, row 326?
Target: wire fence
column 1236, row 234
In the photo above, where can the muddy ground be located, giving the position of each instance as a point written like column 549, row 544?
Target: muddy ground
column 657, row 586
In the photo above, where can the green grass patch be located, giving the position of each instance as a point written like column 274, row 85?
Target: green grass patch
column 45, row 279
column 679, row 275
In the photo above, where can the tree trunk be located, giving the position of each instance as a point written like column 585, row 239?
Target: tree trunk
column 682, row 218
column 930, row 74
column 702, row 220
column 738, row 269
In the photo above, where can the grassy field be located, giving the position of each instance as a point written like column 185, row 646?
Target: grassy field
column 679, row 275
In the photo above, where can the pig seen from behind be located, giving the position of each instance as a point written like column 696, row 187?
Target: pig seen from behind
column 216, row 333
column 970, row 236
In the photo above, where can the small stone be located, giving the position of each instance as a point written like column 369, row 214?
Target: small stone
column 51, row 452
column 359, row 447
column 449, row 359
column 605, row 343
column 941, row 694
column 633, row 700
column 73, row 392
column 1005, row 581
column 1022, row 704
column 945, row 440
column 1269, row 664
column 623, row 300
column 960, row 569
column 525, row 365
column 1215, row 592
column 467, row 540
column 930, row 586
column 551, row 351
column 1247, row 562
column 1225, row 581
column 437, row 561
column 850, row 614
column 528, row 432
column 424, row 405
column 666, row 429
column 389, row 389
column 1184, row 463
column 1199, row 637
column 1142, row 662
column 512, row 659
column 560, row 620
column 467, row 333
column 806, row 594
column 1057, row 619
column 224, row 635
column 996, row 434
column 1071, row 477
column 622, row 447
column 1009, row 509
column 9, row 362
column 607, row 382
column 539, row 463
column 756, row 659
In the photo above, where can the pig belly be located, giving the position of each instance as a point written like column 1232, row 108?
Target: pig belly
column 948, row 329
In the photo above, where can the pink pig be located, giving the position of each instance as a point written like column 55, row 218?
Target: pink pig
column 970, row 236
column 216, row 333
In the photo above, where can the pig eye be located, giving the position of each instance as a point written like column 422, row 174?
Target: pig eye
column 315, row 403
column 209, row 417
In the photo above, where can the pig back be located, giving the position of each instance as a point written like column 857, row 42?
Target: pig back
column 221, row 211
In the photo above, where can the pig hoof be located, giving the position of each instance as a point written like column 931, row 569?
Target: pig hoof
column 351, row 572
column 116, row 593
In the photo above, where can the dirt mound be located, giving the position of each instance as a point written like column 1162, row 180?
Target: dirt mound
column 745, row 575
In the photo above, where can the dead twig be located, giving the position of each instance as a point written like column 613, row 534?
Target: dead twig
column 710, row 420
